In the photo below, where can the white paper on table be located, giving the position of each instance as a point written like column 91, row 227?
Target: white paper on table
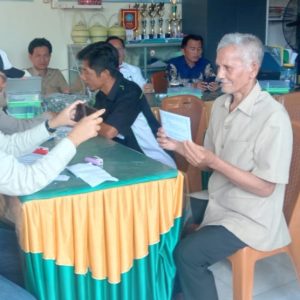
column 92, row 175
column 176, row 126
column 62, row 177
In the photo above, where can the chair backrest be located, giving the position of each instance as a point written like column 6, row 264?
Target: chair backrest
column 193, row 107
column 292, row 194
column 160, row 81
column 291, row 102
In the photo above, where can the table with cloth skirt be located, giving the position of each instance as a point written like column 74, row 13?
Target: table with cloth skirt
column 114, row 241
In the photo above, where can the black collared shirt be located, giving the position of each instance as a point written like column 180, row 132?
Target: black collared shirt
column 123, row 104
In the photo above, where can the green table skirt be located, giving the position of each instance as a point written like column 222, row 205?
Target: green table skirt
column 150, row 278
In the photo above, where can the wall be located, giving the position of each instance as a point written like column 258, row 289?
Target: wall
column 21, row 21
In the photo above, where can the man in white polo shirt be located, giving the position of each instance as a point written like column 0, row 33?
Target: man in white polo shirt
column 130, row 72
column 248, row 146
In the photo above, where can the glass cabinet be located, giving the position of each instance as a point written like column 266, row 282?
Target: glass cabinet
column 152, row 56
column 149, row 55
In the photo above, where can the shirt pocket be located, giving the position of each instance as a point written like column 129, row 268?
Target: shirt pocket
column 239, row 154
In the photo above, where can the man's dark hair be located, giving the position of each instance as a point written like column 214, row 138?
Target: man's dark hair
column 188, row 37
column 39, row 42
column 100, row 56
column 114, row 37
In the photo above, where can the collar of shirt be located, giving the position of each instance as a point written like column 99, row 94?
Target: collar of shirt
column 247, row 105
column 198, row 64
column 122, row 66
column 112, row 95
column 34, row 72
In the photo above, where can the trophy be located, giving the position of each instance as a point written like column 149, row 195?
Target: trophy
column 168, row 34
column 144, row 13
column 160, row 13
column 137, row 31
column 179, row 20
column 152, row 11
column 174, row 21
column 174, row 76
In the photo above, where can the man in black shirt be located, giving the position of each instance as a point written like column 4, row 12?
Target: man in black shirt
column 128, row 118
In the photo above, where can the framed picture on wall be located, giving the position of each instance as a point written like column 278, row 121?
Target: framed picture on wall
column 130, row 18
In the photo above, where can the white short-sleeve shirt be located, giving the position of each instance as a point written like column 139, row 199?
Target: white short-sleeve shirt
column 132, row 73
column 256, row 137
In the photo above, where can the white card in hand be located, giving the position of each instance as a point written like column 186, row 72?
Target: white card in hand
column 176, row 126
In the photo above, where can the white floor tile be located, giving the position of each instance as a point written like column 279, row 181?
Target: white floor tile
column 269, row 275
column 222, row 271
column 274, row 275
column 290, row 291
column 224, row 290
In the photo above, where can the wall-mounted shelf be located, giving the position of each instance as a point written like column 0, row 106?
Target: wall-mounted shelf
column 73, row 5
column 275, row 19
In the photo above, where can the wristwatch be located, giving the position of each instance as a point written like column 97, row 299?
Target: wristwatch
column 51, row 130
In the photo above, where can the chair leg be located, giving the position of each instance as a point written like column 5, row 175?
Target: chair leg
column 242, row 275
column 294, row 247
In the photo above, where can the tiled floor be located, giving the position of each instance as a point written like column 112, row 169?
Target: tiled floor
column 274, row 279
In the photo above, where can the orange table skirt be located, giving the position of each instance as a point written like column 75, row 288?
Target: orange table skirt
column 102, row 231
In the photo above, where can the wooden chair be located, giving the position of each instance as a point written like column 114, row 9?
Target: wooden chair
column 193, row 107
column 291, row 102
column 243, row 261
column 160, row 81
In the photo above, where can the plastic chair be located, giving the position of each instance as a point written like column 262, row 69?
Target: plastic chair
column 193, row 107
column 243, row 261
column 291, row 102
column 160, row 81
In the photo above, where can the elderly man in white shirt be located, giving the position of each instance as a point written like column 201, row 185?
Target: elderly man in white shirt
column 248, row 146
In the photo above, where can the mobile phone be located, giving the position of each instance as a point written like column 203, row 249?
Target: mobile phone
column 83, row 110
column 210, row 79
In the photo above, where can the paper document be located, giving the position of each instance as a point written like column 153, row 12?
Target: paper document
column 62, row 177
column 176, row 126
column 92, row 175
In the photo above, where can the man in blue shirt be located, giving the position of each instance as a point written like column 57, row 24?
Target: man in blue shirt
column 191, row 66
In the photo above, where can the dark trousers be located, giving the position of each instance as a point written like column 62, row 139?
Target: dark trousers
column 196, row 252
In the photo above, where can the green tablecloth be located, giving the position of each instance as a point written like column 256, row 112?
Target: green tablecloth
column 111, row 242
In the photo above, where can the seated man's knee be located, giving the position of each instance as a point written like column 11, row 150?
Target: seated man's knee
column 182, row 253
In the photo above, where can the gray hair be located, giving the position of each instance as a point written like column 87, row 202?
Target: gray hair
column 251, row 46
